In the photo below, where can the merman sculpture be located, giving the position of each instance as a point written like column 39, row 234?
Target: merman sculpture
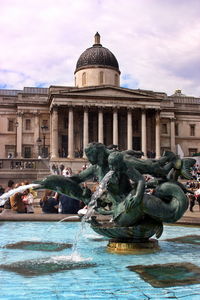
column 123, row 194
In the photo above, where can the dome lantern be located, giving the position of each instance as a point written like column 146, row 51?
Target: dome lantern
column 97, row 38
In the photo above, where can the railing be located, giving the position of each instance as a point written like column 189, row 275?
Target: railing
column 185, row 100
column 24, row 164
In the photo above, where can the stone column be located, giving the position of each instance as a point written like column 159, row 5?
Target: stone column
column 129, row 130
column 71, row 133
column 36, row 134
column 100, row 125
column 19, row 135
column 50, row 134
column 85, row 130
column 144, row 132
column 158, row 134
column 54, row 133
column 115, row 127
column 172, row 134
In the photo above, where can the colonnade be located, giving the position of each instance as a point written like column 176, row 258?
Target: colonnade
column 54, row 130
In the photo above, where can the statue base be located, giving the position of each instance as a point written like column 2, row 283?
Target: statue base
column 133, row 247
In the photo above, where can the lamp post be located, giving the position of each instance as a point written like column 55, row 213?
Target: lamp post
column 39, row 142
column 16, row 125
column 44, row 128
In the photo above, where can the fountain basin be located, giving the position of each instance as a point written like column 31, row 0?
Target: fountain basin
column 95, row 273
column 137, row 233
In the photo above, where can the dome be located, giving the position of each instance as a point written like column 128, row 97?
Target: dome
column 97, row 56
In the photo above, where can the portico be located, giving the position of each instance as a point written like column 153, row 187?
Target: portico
column 130, row 126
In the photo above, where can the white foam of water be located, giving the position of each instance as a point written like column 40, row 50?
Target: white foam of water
column 19, row 189
column 90, row 211
column 97, row 194
column 58, row 222
column 69, row 218
column 65, row 258
column 92, row 236
column 75, row 257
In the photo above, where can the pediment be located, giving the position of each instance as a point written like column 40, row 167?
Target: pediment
column 109, row 91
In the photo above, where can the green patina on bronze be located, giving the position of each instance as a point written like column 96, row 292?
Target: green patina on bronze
column 167, row 275
column 38, row 246
column 44, row 266
column 135, row 213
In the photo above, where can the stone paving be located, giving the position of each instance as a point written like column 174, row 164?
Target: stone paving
column 192, row 218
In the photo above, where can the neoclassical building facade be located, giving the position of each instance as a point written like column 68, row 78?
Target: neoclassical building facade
column 58, row 122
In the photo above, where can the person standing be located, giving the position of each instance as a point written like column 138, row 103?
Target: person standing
column 28, row 199
column 9, row 187
column 16, row 202
column 68, row 205
column 49, row 203
column 198, row 200
column 192, row 202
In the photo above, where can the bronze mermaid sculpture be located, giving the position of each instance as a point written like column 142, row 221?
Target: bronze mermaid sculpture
column 135, row 213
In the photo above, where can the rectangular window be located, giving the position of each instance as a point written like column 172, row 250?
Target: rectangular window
column 101, row 77
column 10, row 151
column 27, row 152
column 65, row 121
column 27, row 124
column 45, row 123
column 176, row 129
column 84, row 78
column 116, row 79
column 164, row 128
column 44, row 151
column 135, row 125
column 192, row 151
column 10, row 124
column 192, row 130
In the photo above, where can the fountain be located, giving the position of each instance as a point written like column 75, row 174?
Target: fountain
column 127, row 211
column 135, row 209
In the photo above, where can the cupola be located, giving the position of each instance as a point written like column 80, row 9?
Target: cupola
column 96, row 66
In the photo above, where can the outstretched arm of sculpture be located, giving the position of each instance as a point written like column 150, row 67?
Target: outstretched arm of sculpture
column 135, row 196
column 134, row 153
column 84, row 175
column 66, row 186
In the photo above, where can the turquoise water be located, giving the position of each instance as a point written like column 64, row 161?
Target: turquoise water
column 96, row 274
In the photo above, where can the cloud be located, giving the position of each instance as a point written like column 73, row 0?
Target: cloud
column 156, row 42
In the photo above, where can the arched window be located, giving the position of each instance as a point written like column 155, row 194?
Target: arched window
column 101, row 77
column 116, row 79
column 84, row 78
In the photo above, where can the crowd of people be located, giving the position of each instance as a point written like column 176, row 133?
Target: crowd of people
column 58, row 203
column 20, row 202
column 194, row 185
column 51, row 202
column 63, row 170
column 194, row 196
column 196, row 172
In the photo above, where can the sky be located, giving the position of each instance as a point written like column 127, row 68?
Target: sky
column 156, row 42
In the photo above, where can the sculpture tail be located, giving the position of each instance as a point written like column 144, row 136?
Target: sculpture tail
column 187, row 164
column 168, row 204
